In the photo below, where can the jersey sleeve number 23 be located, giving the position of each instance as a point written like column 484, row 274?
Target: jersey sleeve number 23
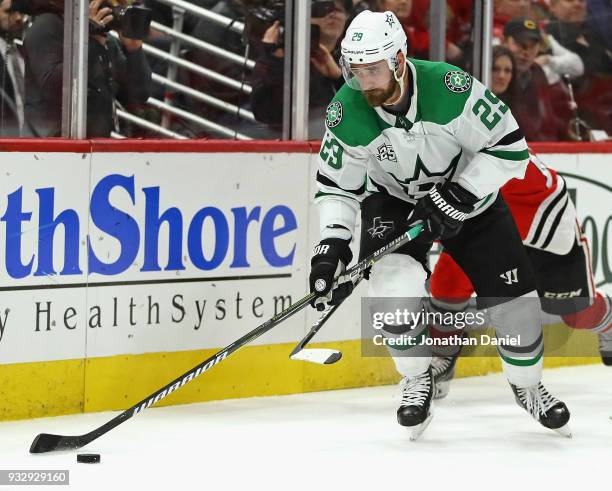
column 489, row 110
column 331, row 152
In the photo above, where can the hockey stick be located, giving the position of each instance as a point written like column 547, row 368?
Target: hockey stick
column 317, row 355
column 324, row 356
column 45, row 442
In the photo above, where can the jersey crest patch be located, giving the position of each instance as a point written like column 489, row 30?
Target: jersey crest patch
column 386, row 152
column 333, row 114
column 457, row 81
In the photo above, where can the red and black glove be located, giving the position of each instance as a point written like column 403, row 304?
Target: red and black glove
column 443, row 211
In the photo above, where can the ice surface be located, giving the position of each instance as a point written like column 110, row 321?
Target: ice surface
column 348, row 439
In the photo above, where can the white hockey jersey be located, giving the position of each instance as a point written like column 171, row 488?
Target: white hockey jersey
column 455, row 129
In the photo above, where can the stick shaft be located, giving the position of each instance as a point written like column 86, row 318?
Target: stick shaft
column 206, row 364
column 46, row 443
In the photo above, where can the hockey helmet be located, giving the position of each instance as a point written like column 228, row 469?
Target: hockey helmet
column 371, row 37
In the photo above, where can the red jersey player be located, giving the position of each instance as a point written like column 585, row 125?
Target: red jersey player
column 546, row 219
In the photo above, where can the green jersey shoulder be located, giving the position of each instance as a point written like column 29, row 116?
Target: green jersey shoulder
column 351, row 119
column 442, row 91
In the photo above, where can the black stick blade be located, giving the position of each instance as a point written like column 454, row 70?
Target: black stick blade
column 46, row 442
column 334, row 357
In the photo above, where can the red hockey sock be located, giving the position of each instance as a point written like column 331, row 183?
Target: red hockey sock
column 597, row 317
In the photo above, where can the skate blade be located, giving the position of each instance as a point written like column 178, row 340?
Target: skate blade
column 417, row 431
column 442, row 389
column 564, row 431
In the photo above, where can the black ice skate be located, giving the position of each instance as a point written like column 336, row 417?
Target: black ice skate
column 443, row 368
column 605, row 347
column 546, row 409
column 415, row 408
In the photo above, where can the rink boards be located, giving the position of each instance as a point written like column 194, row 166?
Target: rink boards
column 124, row 264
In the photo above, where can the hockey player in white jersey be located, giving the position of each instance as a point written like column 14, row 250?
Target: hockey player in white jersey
column 411, row 141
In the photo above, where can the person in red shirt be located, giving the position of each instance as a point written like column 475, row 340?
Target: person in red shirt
column 459, row 14
column 414, row 16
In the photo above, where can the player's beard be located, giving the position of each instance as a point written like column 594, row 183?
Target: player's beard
column 376, row 97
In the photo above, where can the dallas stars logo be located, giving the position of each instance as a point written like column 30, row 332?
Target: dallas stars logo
column 380, row 229
column 389, row 20
column 333, row 114
column 423, row 179
column 457, row 82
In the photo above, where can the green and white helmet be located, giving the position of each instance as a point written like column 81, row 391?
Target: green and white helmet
column 372, row 37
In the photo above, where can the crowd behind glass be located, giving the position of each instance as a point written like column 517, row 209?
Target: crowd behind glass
column 551, row 63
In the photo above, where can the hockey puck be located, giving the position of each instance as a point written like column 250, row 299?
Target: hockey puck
column 88, row 458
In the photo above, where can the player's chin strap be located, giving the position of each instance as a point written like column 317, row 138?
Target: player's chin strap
column 400, row 81
column 325, row 356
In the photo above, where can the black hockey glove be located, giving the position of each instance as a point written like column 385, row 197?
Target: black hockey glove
column 329, row 260
column 443, row 211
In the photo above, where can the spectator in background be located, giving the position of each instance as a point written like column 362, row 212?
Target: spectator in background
column 569, row 25
column 557, row 61
column 11, row 71
column 117, row 70
column 538, row 10
column 401, row 8
column 416, row 32
column 418, row 38
column 503, row 11
column 600, row 19
column 534, row 110
column 325, row 74
column 414, row 16
column 503, row 82
column 355, row 7
column 459, row 29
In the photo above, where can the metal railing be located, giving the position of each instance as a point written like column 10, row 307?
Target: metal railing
column 179, row 40
column 203, row 45
column 208, row 99
column 209, row 125
column 203, row 13
column 296, row 68
column 200, row 70
column 145, row 123
column 294, row 101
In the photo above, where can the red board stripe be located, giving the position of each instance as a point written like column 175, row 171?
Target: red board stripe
column 228, row 146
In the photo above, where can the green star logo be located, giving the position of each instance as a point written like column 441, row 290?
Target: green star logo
column 457, row 81
column 333, row 114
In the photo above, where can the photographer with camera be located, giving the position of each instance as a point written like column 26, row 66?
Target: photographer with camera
column 117, row 69
column 328, row 21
